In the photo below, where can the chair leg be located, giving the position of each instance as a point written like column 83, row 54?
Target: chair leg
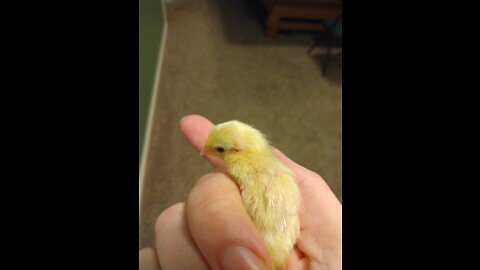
column 327, row 55
column 327, row 59
column 273, row 23
column 312, row 47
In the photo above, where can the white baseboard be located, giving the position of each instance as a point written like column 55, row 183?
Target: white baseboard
column 156, row 84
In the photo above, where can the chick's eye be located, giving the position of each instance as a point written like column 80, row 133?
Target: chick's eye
column 220, row 149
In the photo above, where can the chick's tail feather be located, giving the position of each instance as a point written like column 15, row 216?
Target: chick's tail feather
column 278, row 252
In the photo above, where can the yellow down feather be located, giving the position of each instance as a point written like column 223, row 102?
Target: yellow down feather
column 269, row 189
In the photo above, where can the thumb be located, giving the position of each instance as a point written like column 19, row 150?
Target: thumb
column 221, row 227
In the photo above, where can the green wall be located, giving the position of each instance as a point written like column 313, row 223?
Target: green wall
column 151, row 27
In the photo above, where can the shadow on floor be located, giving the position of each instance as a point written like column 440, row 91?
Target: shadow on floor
column 334, row 68
column 244, row 23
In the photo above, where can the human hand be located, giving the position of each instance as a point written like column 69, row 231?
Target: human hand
column 212, row 229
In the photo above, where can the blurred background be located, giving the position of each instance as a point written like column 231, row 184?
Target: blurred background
column 273, row 64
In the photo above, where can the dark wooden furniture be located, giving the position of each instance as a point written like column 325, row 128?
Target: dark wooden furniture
column 331, row 38
column 300, row 15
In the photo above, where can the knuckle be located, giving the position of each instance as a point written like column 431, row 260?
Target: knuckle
column 208, row 177
column 205, row 188
column 214, row 205
column 211, row 195
column 169, row 216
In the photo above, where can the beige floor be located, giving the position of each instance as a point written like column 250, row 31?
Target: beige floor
column 218, row 64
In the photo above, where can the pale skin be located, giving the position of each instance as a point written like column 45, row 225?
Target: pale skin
column 212, row 229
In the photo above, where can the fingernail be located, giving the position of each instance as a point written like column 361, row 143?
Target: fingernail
column 237, row 257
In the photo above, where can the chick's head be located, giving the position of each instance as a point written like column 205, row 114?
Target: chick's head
column 234, row 138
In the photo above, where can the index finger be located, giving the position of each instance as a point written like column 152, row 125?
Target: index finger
column 195, row 128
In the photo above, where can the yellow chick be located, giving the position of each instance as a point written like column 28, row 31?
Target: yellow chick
column 269, row 190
